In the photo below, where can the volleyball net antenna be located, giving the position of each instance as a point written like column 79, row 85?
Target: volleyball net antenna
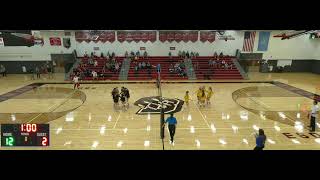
column 160, row 98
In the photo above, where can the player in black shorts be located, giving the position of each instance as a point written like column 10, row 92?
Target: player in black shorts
column 115, row 95
column 123, row 99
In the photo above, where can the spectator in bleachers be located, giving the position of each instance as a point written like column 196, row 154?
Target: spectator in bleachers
column 95, row 63
column 90, row 61
column 221, row 54
column 223, row 62
column 148, row 66
column 170, row 55
column 171, row 68
column 117, row 66
column 91, row 55
column 226, row 66
column 138, row 53
column 136, row 58
column 210, row 62
column 182, row 64
column 108, row 54
column 113, row 54
column 126, row 54
column 132, row 54
column 102, row 55
column 197, row 54
column 143, row 64
column 145, row 54
column 140, row 65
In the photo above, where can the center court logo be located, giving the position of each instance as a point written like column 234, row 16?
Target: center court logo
column 152, row 105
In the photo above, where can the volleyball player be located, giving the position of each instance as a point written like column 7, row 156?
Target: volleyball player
column 115, row 95
column 187, row 98
column 209, row 95
column 76, row 82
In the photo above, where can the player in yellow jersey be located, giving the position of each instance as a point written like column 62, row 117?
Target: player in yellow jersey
column 209, row 95
column 187, row 98
column 202, row 98
column 198, row 92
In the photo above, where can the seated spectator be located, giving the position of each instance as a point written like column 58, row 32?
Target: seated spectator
column 197, row 54
column 226, row 66
column 132, row 54
column 148, row 65
column 91, row 55
column 182, row 64
column 171, row 68
column 176, row 65
column 221, row 54
column 90, row 61
column 145, row 54
column 140, row 65
column 113, row 54
column 117, row 66
column 210, row 62
column 95, row 63
column 180, row 54
column 136, row 58
column 170, row 55
column 126, row 54
column 223, row 62
column 143, row 65
column 101, row 55
column 214, row 63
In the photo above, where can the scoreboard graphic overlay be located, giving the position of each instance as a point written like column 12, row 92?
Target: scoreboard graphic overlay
column 24, row 135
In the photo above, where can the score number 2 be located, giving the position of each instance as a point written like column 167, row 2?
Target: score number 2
column 44, row 141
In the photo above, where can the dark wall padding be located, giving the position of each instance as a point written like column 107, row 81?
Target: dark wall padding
column 316, row 67
column 306, row 65
column 301, row 65
column 15, row 67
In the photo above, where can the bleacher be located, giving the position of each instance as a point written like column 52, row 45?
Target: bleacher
column 165, row 62
column 108, row 75
column 204, row 71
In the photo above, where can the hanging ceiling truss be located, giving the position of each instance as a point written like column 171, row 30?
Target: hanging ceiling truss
column 294, row 33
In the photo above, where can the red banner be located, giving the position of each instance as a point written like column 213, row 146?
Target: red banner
column 95, row 36
column 207, row 36
column 178, row 36
column 136, row 36
column 55, row 41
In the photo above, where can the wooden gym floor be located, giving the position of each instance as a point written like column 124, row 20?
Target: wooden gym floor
column 86, row 119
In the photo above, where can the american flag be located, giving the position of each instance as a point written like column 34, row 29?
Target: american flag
column 248, row 42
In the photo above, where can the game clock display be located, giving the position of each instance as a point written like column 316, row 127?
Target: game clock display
column 25, row 134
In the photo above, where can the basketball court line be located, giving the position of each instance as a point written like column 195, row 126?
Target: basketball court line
column 117, row 120
column 265, row 106
column 140, row 129
column 202, row 115
column 67, row 99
